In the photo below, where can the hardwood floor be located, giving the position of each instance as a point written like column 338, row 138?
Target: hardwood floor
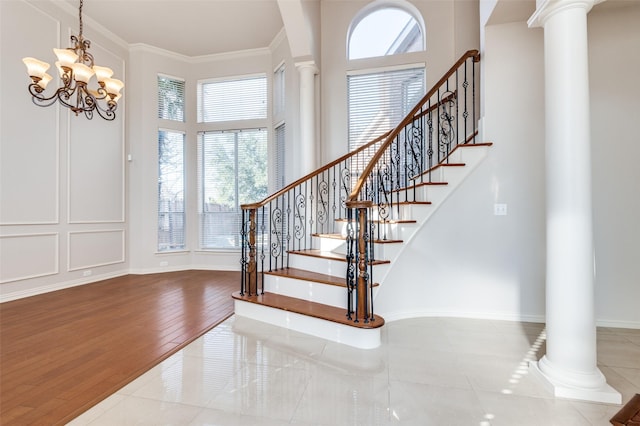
column 64, row 351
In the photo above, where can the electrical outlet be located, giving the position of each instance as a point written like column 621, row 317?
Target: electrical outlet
column 164, row 263
column 86, row 273
column 500, row 209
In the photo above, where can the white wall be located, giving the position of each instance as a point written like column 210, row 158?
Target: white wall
column 473, row 263
column 62, row 177
column 614, row 44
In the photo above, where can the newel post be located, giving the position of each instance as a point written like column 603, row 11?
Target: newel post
column 249, row 279
column 360, row 307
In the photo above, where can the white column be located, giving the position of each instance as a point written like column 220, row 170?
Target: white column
column 569, row 366
column 307, row 72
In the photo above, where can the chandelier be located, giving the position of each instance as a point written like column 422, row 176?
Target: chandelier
column 76, row 68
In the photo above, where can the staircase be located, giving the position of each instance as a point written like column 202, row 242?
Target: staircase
column 315, row 253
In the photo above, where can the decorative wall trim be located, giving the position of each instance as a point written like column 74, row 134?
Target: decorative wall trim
column 55, row 256
column 120, row 259
column 146, row 48
column 56, row 213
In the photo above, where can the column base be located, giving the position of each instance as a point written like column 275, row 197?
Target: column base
column 601, row 393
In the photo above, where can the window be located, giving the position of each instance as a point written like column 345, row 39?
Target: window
column 279, row 91
column 280, row 157
column 171, row 213
column 385, row 31
column 232, row 171
column 378, row 101
column 280, row 134
column 232, row 160
column 235, row 99
column 171, row 170
column 170, row 98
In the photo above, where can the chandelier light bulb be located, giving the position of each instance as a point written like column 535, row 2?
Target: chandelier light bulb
column 35, row 67
column 66, row 57
column 102, row 73
column 61, row 71
column 46, row 78
column 113, row 86
column 81, row 73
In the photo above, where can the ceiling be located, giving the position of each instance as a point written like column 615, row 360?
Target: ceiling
column 188, row 27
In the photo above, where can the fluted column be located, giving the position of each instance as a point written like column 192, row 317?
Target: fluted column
column 569, row 366
column 307, row 72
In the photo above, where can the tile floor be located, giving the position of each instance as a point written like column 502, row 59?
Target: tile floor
column 428, row 371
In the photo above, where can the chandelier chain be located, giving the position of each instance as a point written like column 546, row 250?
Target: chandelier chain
column 80, row 17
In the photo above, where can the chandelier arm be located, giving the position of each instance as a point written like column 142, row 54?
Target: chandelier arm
column 39, row 99
column 107, row 114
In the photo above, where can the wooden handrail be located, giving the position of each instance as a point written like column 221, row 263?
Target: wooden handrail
column 408, row 119
column 312, row 175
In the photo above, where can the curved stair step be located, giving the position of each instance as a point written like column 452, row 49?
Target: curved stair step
column 308, row 308
column 304, row 275
column 331, row 256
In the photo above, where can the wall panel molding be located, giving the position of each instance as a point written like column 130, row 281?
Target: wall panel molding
column 29, row 134
column 91, row 249
column 26, row 256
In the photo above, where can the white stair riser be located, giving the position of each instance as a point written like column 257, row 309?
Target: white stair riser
column 307, row 290
column 340, row 333
column 334, row 268
column 469, row 154
column 386, row 251
column 328, row 244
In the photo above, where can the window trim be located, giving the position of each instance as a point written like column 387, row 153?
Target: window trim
column 385, row 4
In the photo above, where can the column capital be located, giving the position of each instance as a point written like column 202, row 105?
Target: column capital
column 307, row 66
column 547, row 8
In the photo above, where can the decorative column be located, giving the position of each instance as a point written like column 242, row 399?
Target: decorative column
column 307, row 72
column 569, row 367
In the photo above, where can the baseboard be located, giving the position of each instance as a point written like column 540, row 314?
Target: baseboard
column 618, row 324
column 21, row 294
column 396, row 316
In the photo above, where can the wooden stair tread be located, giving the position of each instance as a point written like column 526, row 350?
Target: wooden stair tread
column 475, row 144
column 302, row 274
column 305, row 275
column 330, row 255
column 390, row 221
column 305, row 307
column 341, row 237
column 408, row 203
column 629, row 415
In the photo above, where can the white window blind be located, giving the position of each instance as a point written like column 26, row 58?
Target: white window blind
column 232, row 99
column 279, row 91
column 171, row 213
column 232, row 171
column 378, row 101
column 279, row 156
column 170, row 98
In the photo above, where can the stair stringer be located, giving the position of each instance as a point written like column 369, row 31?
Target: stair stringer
column 473, row 158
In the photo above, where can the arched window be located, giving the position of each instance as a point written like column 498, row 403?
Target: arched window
column 378, row 99
column 382, row 30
